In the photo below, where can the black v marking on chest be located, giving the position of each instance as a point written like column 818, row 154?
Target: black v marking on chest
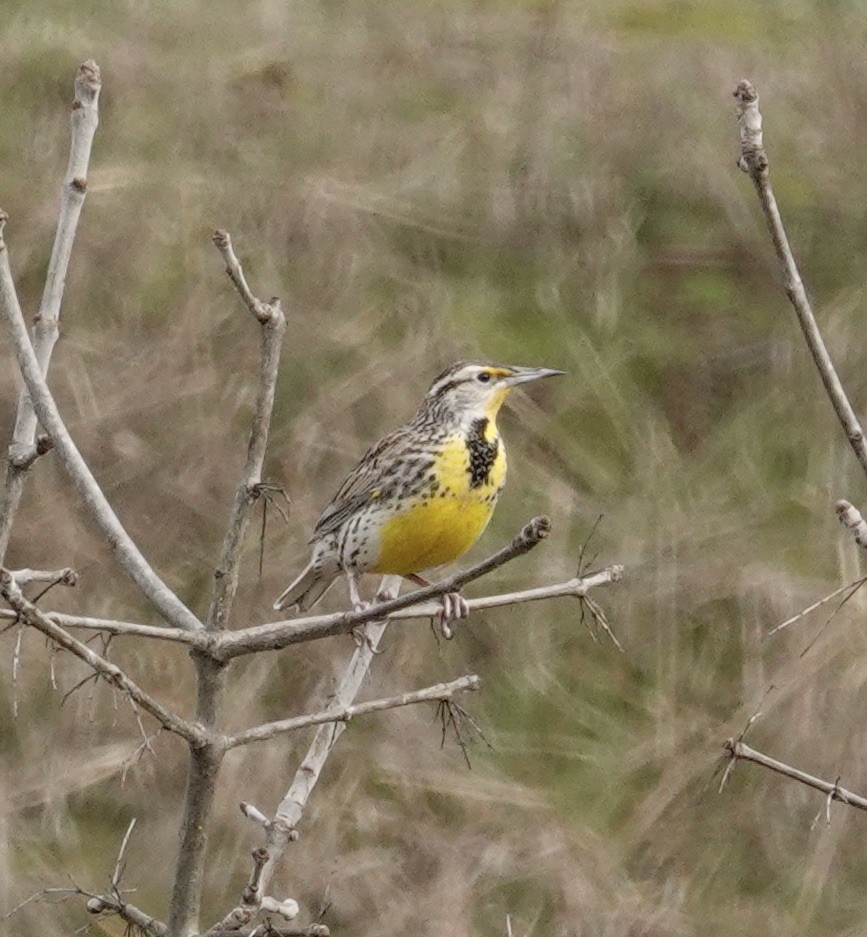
column 483, row 453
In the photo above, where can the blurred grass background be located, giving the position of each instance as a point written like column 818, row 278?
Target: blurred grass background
column 545, row 183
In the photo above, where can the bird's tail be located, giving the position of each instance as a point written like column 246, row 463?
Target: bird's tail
column 307, row 589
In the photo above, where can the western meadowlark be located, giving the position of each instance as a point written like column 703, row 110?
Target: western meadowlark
column 421, row 496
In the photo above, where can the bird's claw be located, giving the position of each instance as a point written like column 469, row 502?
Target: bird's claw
column 362, row 639
column 454, row 608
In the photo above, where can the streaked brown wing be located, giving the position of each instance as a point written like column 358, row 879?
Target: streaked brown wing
column 376, row 471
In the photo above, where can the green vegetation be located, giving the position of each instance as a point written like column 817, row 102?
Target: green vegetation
column 545, row 183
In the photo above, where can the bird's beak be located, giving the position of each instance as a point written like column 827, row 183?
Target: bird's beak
column 522, row 375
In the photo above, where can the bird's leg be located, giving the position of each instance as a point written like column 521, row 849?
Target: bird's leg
column 359, row 605
column 454, row 607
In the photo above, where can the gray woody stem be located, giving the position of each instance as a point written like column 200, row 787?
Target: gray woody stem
column 204, row 767
column 754, row 162
column 126, row 552
column 112, row 674
column 281, row 829
column 273, row 325
column 24, row 448
column 738, row 750
column 439, row 691
column 282, row 634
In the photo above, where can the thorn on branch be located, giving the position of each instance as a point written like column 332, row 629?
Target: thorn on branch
column 582, row 567
column 452, row 714
column 268, row 492
column 599, row 619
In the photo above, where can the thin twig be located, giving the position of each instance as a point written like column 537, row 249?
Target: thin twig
column 109, row 672
column 125, row 551
column 273, row 325
column 738, row 750
column 439, row 691
column 61, row 577
column 812, row 608
column 754, row 161
column 267, row 929
column 26, row 447
column 143, row 923
column 127, row 628
column 852, row 591
column 120, row 863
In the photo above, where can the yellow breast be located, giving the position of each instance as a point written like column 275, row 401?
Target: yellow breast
column 444, row 521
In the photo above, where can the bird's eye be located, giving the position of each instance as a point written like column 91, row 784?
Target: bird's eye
column 483, row 377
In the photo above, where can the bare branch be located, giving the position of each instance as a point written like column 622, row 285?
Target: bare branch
column 61, row 577
column 738, row 750
column 144, row 924
column 812, row 608
column 273, row 325
column 282, row 634
column 25, row 448
column 266, row 313
column 111, row 673
column 439, row 691
column 850, row 517
column 126, row 552
column 127, row 628
column 269, row 930
column 281, row 830
column 754, row 161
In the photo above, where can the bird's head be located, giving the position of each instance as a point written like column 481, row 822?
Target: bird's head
column 469, row 391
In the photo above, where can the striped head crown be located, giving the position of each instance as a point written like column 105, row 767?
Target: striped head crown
column 470, row 390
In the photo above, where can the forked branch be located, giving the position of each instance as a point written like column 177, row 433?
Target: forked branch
column 754, row 161
column 111, row 673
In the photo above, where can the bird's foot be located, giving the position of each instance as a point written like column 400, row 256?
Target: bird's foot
column 363, row 639
column 359, row 632
column 454, row 609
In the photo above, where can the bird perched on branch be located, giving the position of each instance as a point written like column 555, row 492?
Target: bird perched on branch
column 421, row 496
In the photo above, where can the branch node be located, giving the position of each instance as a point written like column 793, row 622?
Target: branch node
column 851, row 518
column 753, row 159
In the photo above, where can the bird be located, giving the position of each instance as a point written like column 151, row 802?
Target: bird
column 421, row 496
